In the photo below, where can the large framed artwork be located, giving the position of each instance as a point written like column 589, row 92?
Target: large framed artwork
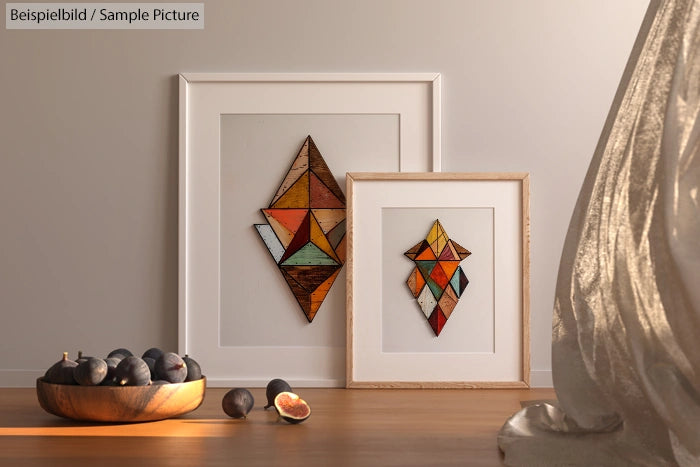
column 438, row 280
column 262, row 239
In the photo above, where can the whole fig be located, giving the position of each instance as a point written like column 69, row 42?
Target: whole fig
column 171, row 367
column 61, row 372
column 132, row 371
column 194, row 371
column 90, row 372
column 237, row 403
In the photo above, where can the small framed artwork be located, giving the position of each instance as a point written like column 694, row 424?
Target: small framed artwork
column 262, row 227
column 437, row 280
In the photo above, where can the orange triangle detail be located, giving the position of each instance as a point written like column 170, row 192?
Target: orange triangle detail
column 427, row 254
column 449, row 267
column 290, row 219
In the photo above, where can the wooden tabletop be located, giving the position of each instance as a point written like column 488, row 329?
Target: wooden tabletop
column 347, row 427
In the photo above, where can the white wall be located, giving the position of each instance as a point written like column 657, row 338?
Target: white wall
column 88, row 131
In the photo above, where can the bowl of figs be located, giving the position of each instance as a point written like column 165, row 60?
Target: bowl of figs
column 122, row 387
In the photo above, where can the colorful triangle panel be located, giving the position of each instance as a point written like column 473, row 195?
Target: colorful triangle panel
column 437, row 261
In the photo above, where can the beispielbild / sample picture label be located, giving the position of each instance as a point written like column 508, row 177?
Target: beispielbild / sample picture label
column 104, row 16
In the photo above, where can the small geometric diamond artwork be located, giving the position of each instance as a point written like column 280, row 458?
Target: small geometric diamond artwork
column 305, row 230
column 437, row 282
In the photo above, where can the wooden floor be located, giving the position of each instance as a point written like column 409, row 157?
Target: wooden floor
column 346, row 428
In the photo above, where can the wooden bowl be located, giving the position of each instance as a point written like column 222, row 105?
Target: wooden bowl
column 120, row 403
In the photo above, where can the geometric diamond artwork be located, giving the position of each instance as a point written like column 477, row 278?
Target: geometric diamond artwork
column 305, row 230
column 437, row 282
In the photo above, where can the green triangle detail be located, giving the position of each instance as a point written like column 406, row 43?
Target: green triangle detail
column 426, row 267
column 435, row 289
column 309, row 255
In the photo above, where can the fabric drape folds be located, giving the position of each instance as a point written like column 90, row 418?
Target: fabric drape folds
column 626, row 325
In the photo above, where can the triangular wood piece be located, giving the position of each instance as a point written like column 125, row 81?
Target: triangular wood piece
column 319, row 167
column 283, row 234
column 461, row 251
column 328, row 218
column 272, row 243
column 416, row 249
column 309, row 255
column 437, row 320
column 301, row 238
column 449, row 267
column 426, row 254
column 319, row 239
column 336, row 235
column 434, row 232
column 341, row 249
column 449, row 253
column 303, row 297
column 439, row 276
column 299, row 166
column 297, row 196
column 290, row 219
column 448, row 302
column 321, row 196
column 318, row 295
column 310, row 277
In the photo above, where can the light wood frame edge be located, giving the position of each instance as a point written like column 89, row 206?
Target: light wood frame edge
column 524, row 179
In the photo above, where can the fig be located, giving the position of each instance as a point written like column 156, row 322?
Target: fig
column 81, row 358
column 237, row 403
column 111, row 367
column 151, row 366
column 132, row 371
column 153, row 352
column 119, row 353
column 171, row 367
column 61, row 372
column 274, row 387
column 159, row 382
column 90, row 372
column 291, row 407
column 194, row 371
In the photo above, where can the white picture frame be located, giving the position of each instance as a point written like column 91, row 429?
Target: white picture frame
column 206, row 101
column 389, row 343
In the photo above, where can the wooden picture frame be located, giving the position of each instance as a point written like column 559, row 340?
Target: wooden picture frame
column 389, row 344
column 239, row 353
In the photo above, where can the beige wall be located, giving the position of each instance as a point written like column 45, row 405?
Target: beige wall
column 88, row 138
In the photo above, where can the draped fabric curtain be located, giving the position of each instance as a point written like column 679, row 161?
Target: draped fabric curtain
column 626, row 325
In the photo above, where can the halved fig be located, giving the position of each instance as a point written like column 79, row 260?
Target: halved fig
column 291, row 407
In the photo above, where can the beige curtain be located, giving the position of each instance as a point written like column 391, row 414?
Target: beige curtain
column 626, row 326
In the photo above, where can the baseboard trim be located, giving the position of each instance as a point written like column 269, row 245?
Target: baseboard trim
column 541, row 379
column 214, row 382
